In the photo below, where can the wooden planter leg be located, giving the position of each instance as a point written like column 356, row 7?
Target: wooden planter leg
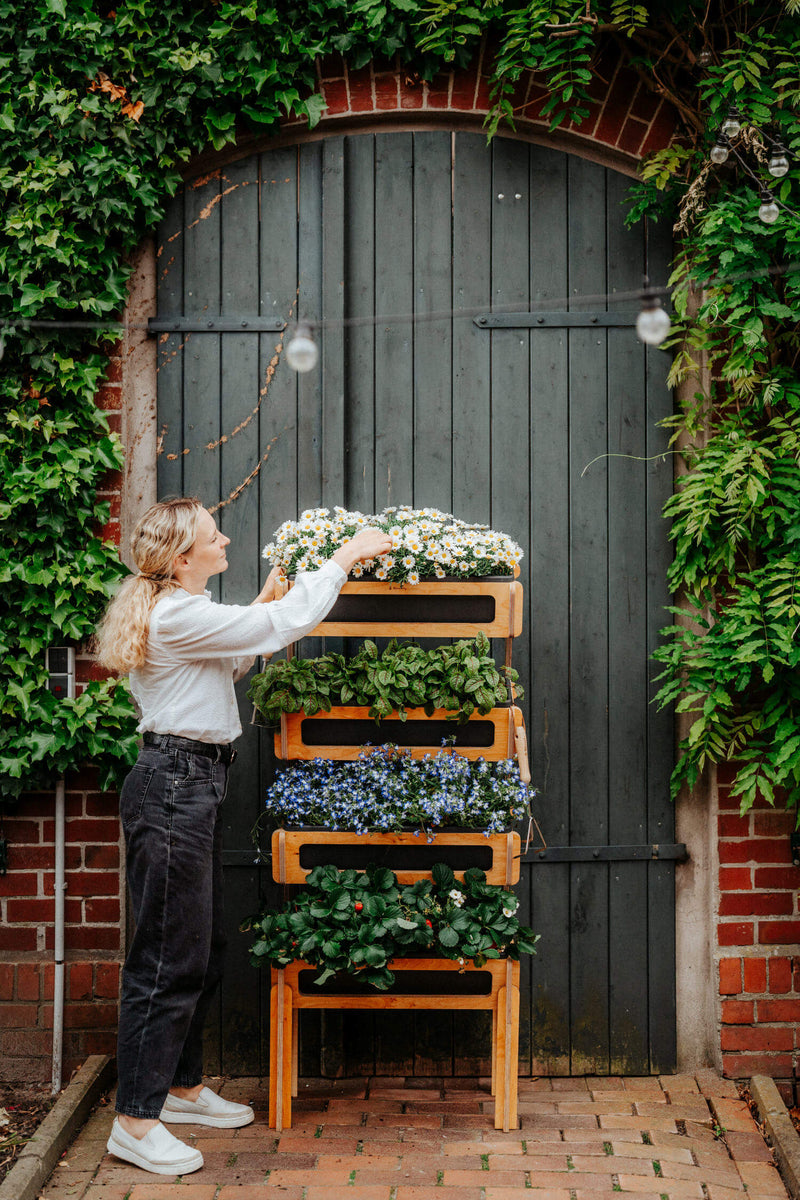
column 494, row 1051
column 295, row 1048
column 505, row 1107
column 281, row 1053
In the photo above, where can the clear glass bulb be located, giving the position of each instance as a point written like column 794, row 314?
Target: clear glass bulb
column 778, row 162
column 652, row 325
column 769, row 211
column 302, row 352
column 732, row 124
column 719, row 152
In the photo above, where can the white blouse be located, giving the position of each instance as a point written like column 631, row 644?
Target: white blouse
column 197, row 649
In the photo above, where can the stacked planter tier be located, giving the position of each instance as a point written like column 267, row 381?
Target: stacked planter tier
column 451, row 608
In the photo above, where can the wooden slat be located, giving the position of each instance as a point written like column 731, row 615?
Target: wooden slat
column 393, row 396
column 287, row 844
column 432, row 385
column 496, row 968
column 628, row 672
column 501, row 720
column 508, row 612
column 545, row 979
column 360, row 339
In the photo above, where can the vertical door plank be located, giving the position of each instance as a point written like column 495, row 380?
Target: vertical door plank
column 277, row 416
column 360, row 338
column 472, row 247
column 394, row 450
column 589, row 629
column 547, row 618
column 432, row 425
column 169, row 268
column 242, row 998
column 309, row 304
column 628, row 664
column 432, row 338
column 394, row 296
column 511, row 407
column 201, row 472
column 333, row 297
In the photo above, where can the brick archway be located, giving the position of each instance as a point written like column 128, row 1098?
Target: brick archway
column 626, row 122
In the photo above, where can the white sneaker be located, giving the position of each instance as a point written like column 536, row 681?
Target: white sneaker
column 158, row 1151
column 207, row 1109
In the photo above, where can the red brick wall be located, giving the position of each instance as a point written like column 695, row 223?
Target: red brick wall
column 758, row 940
column 93, row 931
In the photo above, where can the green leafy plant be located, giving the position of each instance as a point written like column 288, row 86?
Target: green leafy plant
column 351, row 922
column 461, row 679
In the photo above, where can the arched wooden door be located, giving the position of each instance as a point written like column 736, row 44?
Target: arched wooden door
column 543, row 425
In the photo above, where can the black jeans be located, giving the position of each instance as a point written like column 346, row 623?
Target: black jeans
column 169, row 806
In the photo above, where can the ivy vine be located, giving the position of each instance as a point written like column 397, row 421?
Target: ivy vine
column 101, row 107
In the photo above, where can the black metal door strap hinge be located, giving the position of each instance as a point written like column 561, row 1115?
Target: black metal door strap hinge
column 650, row 851
column 232, row 324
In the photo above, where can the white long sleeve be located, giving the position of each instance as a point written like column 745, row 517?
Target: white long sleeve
column 197, row 648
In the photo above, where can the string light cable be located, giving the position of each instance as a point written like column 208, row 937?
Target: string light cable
column 307, row 326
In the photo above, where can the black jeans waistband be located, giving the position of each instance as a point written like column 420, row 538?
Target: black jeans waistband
column 219, row 751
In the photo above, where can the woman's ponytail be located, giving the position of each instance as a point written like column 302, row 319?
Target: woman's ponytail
column 165, row 531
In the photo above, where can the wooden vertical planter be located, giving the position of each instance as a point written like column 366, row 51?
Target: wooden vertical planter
column 450, row 608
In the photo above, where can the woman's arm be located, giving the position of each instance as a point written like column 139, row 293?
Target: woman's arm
column 367, row 543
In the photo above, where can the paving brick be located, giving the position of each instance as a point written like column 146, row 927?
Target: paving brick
column 591, row 1106
column 315, row 1192
column 558, row 1121
column 254, row 1191
column 483, row 1178
column 650, row 1124
column 703, row 1174
column 411, row 1192
column 174, row 1191
column 717, row 1192
column 748, row 1147
column 733, row 1115
column 493, row 1193
column 678, row 1084
column 762, row 1179
column 665, row 1153
column 635, row 1165
column 411, row 1121
column 680, row 1188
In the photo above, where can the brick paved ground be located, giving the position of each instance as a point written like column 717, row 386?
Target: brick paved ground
column 678, row 1137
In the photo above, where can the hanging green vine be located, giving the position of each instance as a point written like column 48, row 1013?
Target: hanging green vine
column 100, row 107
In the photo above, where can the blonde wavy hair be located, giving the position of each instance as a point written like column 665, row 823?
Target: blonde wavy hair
column 167, row 529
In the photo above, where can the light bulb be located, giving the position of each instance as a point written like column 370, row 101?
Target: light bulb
column 720, row 149
column 778, row 162
column 769, row 211
column 704, row 57
column 302, row 352
column 732, row 124
column 652, row 325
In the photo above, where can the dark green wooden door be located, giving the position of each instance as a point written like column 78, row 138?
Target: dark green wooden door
column 543, row 426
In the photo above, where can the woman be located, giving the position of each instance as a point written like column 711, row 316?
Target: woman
column 184, row 652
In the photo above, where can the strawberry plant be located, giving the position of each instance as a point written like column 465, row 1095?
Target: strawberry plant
column 352, row 922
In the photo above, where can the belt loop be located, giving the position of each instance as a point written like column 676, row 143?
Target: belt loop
column 218, row 755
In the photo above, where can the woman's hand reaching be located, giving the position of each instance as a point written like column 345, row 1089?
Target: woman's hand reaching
column 275, row 587
column 367, row 543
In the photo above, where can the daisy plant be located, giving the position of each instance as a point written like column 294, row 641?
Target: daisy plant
column 426, row 544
